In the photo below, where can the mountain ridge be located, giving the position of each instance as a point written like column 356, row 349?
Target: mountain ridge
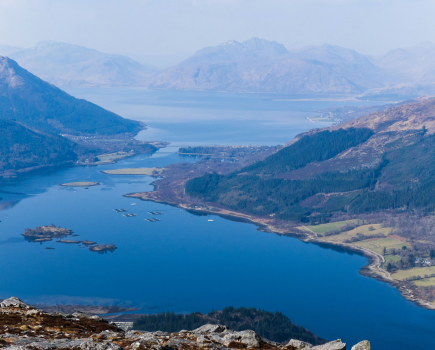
column 36, row 103
column 259, row 65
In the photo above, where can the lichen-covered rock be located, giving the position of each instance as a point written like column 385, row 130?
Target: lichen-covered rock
column 299, row 344
column 90, row 345
column 333, row 345
column 250, row 339
column 210, row 328
column 14, row 302
column 34, row 312
column 362, row 345
column 176, row 343
column 79, row 314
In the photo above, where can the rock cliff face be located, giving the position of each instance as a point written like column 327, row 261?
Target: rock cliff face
column 23, row 327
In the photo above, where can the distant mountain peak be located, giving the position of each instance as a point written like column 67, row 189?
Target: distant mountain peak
column 70, row 65
column 252, row 48
column 262, row 65
column 11, row 74
column 411, row 65
column 425, row 44
column 261, row 44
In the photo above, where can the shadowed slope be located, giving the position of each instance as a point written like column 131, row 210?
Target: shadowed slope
column 30, row 100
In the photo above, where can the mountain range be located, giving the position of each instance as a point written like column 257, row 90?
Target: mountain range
column 259, row 65
column 266, row 66
column 255, row 65
column 66, row 65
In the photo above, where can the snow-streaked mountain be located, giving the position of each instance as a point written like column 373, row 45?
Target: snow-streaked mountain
column 66, row 65
column 259, row 65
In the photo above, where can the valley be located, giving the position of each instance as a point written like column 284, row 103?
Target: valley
column 217, row 175
column 194, row 242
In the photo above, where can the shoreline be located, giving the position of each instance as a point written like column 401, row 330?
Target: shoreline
column 372, row 269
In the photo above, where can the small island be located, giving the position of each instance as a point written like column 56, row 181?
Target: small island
column 103, row 248
column 46, row 233
column 81, row 184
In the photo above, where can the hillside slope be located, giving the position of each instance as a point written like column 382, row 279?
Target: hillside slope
column 66, row 65
column 23, row 149
column 266, row 66
column 36, row 103
column 382, row 161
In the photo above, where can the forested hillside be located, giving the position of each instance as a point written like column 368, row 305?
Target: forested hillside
column 30, row 100
column 272, row 326
column 23, row 148
column 384, row 161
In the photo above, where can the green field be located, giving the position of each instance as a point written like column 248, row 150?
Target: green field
column 111, row 157
column 425, row 282
column 390, row 258
column 321, row 229
column 417, row 271
column 364, row 229
column 80, row 184
column 135, row 171
column 377, row 244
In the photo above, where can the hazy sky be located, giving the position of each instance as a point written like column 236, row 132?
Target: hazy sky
column 180, row 27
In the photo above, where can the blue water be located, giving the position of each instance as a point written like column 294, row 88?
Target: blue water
column 185, row 263
column 205, row 118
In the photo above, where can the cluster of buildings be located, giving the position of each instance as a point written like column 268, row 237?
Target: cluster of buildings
column 423, row 262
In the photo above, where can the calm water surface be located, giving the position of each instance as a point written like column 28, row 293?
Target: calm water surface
column 185, row 263
column 198, row 118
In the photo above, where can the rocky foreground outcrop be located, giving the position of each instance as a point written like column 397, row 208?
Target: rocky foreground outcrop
column 23, row 327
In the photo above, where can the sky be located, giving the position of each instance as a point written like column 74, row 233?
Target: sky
column 178, row 28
